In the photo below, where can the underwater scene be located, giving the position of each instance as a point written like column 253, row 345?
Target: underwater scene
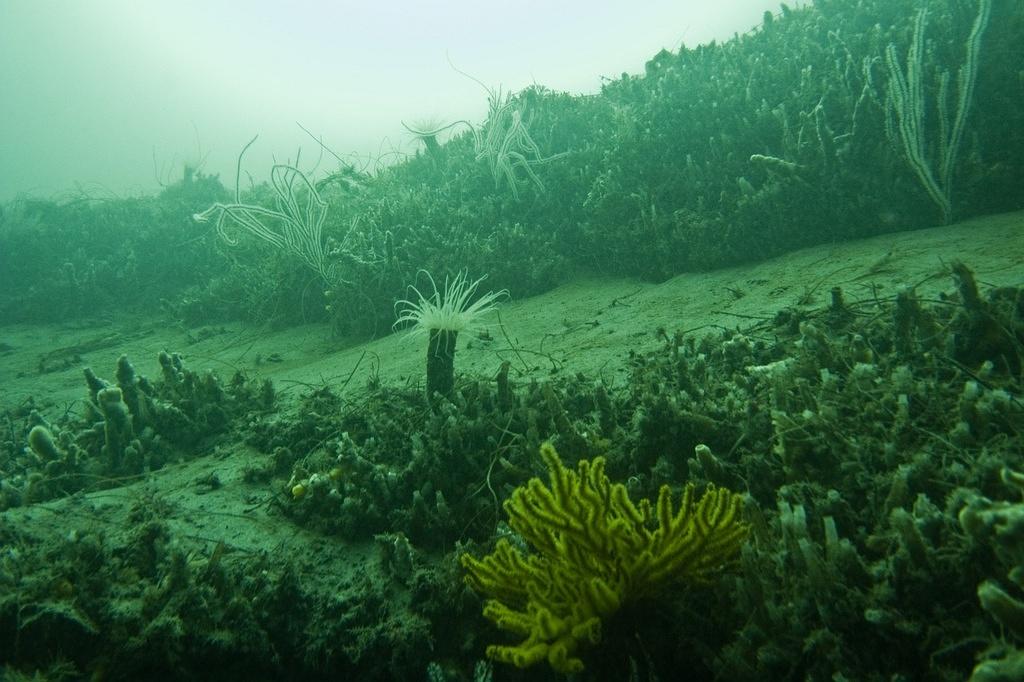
column 713, row 374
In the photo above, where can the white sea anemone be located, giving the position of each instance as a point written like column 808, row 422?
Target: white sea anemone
column 449, row 311
column 442, row 316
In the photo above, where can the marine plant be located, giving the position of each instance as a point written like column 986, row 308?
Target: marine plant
column 1000, row 525
column 294, row 225
column 442, row 316
column 906, row 101
column 503, row 139
column 594, row 550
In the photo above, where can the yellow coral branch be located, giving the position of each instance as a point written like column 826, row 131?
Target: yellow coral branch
column 594, row 550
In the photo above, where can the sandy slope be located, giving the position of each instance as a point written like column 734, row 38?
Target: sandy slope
column 585, row 326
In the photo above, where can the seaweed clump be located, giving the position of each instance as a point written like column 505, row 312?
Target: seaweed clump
column 128, row 426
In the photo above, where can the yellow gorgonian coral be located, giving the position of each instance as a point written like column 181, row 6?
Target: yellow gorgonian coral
column 594, row 550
